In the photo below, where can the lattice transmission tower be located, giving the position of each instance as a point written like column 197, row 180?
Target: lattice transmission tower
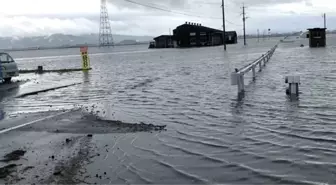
column 105, row 32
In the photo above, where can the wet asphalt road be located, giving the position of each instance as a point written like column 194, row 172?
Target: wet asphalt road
column 59, row 145
column 211, row 137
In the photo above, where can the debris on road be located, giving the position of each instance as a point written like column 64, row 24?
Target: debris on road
column 13, row 156
column 6, row 170
column 26, row 168
column 57, row 173
column 45, row 90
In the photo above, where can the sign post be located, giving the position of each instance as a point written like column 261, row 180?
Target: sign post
column 85, row 58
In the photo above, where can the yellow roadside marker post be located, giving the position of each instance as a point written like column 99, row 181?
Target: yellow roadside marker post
column 85, row 58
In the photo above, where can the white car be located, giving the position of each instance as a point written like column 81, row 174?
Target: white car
column 8, row 67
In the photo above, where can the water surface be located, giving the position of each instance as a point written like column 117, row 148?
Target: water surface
column 212, row 136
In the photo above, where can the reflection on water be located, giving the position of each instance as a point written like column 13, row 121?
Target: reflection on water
column 2, row 113
column 7, row 91
column 86, row 77
column 213, row 136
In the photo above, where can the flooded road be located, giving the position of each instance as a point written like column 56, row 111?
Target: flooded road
column 211, row 136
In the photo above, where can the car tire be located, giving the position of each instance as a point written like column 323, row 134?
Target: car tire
column 8, row 80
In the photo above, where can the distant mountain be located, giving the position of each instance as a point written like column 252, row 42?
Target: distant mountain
column 128, row 42
column 56, row 40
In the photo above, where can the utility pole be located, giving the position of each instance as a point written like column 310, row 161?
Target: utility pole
column 244, row 19
column 263, row 35
column 258, row 34
column 170, row 38
column 224, row 34
column 325, row 20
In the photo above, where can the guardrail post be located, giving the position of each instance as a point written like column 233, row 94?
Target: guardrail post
column 238, row 79
column 254, row 73
column 235, row 80
column 241, row 85
column 260, row 69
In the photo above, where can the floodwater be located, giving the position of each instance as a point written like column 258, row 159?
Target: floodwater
column 212, row 136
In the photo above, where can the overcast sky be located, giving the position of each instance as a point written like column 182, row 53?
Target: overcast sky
column 44, row 17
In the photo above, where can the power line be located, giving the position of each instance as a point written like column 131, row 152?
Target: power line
column 209, row 4
column 233, row 23
column 177, row 12
column 170, row 11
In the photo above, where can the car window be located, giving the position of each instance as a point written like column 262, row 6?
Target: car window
column 5, row 58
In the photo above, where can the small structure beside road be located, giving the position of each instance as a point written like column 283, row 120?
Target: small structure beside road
column 293, row 88
column 151, row 45
column 164, row 41
column 317, row 37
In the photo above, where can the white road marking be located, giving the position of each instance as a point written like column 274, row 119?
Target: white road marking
column 32, row 122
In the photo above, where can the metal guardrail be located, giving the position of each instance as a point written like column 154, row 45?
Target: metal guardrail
column 237, row 77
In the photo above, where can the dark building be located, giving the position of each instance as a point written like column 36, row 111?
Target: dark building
column 193, row 34
column 164, row 41
column 317, row 37
column 231, row 37
column 151, row 45
column 216, row 38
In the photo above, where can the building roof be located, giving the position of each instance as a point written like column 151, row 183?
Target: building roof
column 227, row 32
column 163, row 36
column 316, row 29
column 204, row 28
column 198, row 26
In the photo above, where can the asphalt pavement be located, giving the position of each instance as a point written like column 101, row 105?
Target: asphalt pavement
column 58, row 146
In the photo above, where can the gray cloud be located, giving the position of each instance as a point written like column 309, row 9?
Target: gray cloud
column 180, row 4
column 129, row 18
column 176, row 4
column 272, row 2
column 258, row 3
column 309, row 3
